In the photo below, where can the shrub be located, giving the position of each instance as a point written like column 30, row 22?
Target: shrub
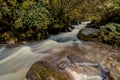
column 26, row 20
column 110, row 33
column 111, row 11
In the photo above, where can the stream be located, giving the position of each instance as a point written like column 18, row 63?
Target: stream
column 15, row 62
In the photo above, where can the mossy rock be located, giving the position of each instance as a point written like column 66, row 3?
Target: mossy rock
column 88, row 34
column 43, row 71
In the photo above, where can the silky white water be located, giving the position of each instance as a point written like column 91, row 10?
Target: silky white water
column 15, row 62
column 83, row 77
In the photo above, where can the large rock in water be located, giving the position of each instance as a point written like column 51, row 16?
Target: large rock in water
column 86, row 61
column 88, row 34
column 43, row 71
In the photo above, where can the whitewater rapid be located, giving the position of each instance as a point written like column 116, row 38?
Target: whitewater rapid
column 15, row 62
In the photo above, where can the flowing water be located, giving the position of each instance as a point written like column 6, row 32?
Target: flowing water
column 15, row 62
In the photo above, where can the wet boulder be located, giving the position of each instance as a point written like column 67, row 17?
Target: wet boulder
column 89, row 34
column 43, row 71
column 86, row 71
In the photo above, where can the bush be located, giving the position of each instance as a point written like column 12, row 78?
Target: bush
column 111, row 11
column 110, row 33
column 26, row 21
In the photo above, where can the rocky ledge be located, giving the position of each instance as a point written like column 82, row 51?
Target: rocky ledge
column 86, row 61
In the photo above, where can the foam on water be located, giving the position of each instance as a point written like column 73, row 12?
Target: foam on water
column 2, row 48
column 78, row 76
column 18, row 63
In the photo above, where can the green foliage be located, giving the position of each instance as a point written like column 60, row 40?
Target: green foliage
column 33, row 14
column 63, row 12
column 34, row 19
column 109, row 24
column 110, row 33
column 110, row 11
column 37, row 19
column 26, row 21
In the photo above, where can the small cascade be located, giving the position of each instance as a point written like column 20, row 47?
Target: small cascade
column 69, row 36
